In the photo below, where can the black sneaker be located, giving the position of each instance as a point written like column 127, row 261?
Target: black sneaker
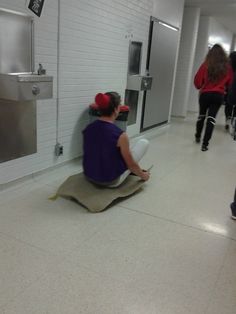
column 197, row 139
column 233, row 210
column 227, row 123
column 204, row 147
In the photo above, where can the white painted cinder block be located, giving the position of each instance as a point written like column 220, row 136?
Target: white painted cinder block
column 94, row 44
column 94, row 41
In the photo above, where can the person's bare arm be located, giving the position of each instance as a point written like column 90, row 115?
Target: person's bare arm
column 131, row 164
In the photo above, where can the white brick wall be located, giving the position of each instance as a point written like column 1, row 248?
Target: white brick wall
column 94, row 44
column 94, row 54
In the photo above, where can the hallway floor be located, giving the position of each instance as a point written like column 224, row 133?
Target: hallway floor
column 168, row 249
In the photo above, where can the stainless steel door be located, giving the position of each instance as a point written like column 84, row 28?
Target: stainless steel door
column 161, row 64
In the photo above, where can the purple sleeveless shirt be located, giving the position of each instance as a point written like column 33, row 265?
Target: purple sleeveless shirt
column 102, row 160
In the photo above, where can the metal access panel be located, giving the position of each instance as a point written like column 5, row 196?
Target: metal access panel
column 17, row 129
column 16, row 42
column 135, row 56
column 131, row 98
column 163, row 43
column 139, row 82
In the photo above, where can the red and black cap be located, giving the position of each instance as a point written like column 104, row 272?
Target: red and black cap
column 102, row 100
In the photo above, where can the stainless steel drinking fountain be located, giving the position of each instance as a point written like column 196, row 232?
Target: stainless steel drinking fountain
column 20, row 86
column 25, row 86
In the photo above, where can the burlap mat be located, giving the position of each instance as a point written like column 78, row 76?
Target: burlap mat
column 96, row 198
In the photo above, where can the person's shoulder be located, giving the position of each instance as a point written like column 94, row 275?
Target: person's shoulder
column 111, row 126
column 118, row 130
column 116, row 127
column 203, row 66
column 123, row 139
column 123, row 135
column 91, row 125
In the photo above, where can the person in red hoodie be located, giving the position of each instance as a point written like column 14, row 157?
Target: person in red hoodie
column 213, row 76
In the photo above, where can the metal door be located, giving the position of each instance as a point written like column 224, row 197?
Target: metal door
column 163, row 41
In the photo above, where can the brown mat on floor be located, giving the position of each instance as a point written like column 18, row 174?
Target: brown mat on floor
column 94, row 197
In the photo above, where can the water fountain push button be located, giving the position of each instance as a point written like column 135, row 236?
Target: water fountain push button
column 35, row 89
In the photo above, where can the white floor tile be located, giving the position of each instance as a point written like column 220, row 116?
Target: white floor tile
column 54, row 226
column 197, row 188
column 78, row 290
column 17, row 190
column 223, row 298
column 20, row 266
column 168, row 249
column 58, row 175
column 168, row 261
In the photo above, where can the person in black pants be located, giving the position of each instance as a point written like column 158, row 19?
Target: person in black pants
column 233, row 207
column 213, row 76
column 228, row 114
column 209, row 106
column 230, row 96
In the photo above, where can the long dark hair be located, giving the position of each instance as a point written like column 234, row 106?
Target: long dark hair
column 217, row 63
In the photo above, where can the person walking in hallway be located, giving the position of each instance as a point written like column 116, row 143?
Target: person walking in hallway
column 230, row 97
column 213, row 76
column 233, row 206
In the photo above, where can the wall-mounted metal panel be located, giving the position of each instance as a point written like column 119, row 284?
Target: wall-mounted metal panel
column 135, row 55
column 17, row 129
column 15, row 42
column 131, row 98
column 139, row 82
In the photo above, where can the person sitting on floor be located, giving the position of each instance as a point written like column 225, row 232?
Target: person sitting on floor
column 107, row 156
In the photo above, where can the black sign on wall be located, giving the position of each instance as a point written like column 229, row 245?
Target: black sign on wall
column 36, row 6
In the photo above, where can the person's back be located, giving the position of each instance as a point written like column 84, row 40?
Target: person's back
column 212, row 79
column 107, row 158
column 102, row 161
